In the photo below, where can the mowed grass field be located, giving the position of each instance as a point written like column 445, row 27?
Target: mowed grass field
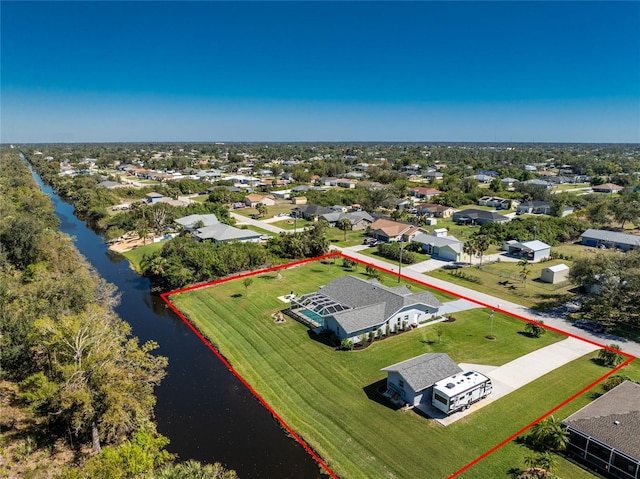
column 329, row 397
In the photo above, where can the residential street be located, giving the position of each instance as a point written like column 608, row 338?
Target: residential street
column 498, row 304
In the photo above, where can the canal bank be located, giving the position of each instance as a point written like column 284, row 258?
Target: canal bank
column 201, row 407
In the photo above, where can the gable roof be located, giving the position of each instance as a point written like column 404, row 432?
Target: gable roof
column 222, row 232
column 613, row 419
column 425, row 370
column 392, row 228
column 612, row 236
column 608, row 186
column 475, row 214
column 313, row 209
column 533, row 245
column 353, row 217
column 556, row 268
column 440, row 242
column 191, row 220
column 370, row 302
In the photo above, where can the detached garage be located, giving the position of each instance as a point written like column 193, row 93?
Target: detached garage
column 555, row 274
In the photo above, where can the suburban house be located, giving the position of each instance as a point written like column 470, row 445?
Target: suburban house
column 346, row 183
column 412, row 381
column 437, row 211
column 534, row 207
column 530, row 250
column 607, row 188
column 610, row 239
column 481, row 178
column 193, row 222
column 440, row 245
column 153, row 198
column 555, row 274
column 351, row 307
column 433, row 175
column 359, row 219
column 254, row 200
column 605, row 434
column 423, row 192
column 220, row 232
column 477, row 217
column 299, row 200
column 310, row 212
column 538, row 182
column 508, row 182
column 496, row 202
column 391, row 231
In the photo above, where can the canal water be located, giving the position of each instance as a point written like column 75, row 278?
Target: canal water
column 202, row 407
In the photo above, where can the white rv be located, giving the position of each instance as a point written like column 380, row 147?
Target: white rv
column 460, row 391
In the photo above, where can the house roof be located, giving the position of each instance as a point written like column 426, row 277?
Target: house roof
column 361, row 295
column 474, row 214
column 440, row 242
column 392, row 228
column 556, row 268
column 154, row 195
column 425, row 191
column 191, row 220
column 253, row 197
column 613, row 419
column 314, row 210
column 612, row 236
column 425, row 370
column 608, row 186
column 353, row 217
column 222, row 232
column 535, row 204
column 533, row 245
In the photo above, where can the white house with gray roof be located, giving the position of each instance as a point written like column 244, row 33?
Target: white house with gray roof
column 412, row 381
column 444, row 247
column 351, row 307
column 220, row 232
column 193, row 222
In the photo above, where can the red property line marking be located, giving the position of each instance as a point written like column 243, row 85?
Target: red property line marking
column 165, row 297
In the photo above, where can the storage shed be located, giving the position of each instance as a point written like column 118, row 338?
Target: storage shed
column 555, row 274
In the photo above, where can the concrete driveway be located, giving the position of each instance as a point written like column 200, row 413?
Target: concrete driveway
column 517, row 373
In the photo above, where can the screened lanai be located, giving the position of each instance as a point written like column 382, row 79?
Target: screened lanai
column 316, row 306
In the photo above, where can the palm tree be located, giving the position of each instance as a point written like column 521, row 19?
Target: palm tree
column 524, row 272
column 470, row 249
column 482, row 245
column 345, row 225
column 247, row 282
column 550, row 434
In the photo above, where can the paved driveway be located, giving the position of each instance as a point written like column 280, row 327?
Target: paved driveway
column 517, row 373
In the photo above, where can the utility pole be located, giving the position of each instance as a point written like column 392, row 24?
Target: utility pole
column 400, row 263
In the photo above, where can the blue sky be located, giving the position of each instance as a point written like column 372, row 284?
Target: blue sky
column 320, row 71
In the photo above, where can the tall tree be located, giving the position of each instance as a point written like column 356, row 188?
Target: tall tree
column 344, row 225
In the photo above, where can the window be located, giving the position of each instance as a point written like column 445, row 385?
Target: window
column 401, row 383
column 439, row 398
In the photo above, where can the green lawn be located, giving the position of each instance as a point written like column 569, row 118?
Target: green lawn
column 290, row 223
column 329, row 398
column 336, row 237
column 501, row 279
column 136, row 255
column 280, row 207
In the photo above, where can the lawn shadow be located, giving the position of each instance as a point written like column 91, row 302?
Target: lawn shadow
column 526, row 333
column 373, row 392
column 321, row 339
column 237, row 295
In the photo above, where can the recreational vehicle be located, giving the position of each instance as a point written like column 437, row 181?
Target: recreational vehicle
column 460, row 391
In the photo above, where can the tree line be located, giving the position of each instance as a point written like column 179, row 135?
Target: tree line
column 70, row 364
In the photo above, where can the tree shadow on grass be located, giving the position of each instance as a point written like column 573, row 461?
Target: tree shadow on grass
column 373, row 392
column 526, row 334
column 237, row 295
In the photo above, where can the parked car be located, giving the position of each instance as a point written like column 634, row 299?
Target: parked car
column 589, row 326
column 370, row 241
